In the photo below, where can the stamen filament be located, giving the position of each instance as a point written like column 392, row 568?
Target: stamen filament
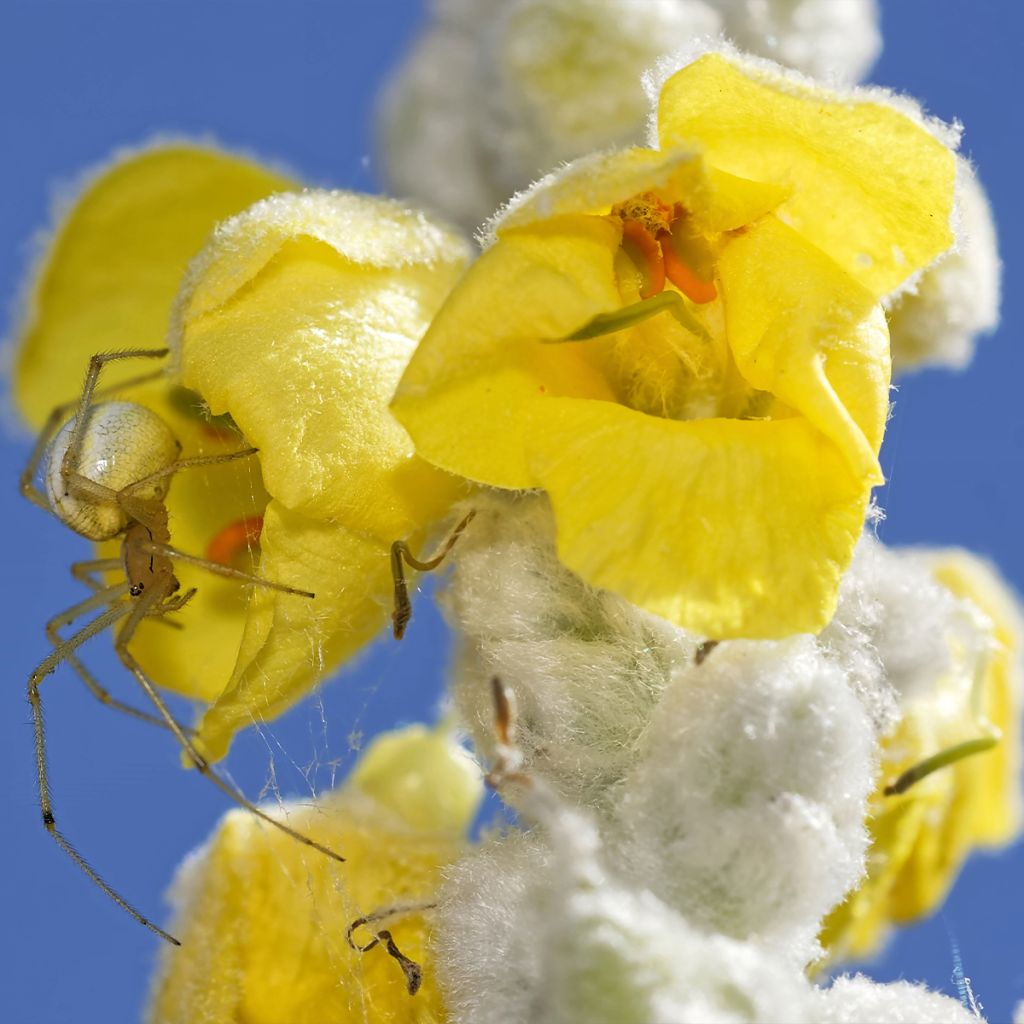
column 643, row 249
column 942, row 759
column 682, row 276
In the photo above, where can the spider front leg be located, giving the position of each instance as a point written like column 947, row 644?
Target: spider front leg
column 142, row 608
column 402, row 609
column 45, row 667
column 85, row 571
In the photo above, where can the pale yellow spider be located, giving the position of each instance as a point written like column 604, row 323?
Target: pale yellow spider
column 105, row 474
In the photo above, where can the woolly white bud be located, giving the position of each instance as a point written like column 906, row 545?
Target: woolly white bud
column 898, row 631
column 586, row 666
column 858, row 1000
column 957, row 300
column 746, row 812
column 527, row 931
column 834, row 40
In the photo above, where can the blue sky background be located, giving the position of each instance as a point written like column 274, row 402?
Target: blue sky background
column 296, row 81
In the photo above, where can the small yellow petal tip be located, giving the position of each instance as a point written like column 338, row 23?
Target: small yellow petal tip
column 922, row 837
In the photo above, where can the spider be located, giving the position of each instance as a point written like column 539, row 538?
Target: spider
column 105, row 474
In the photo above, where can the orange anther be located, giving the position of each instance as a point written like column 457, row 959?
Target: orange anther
column 643, row 249
column 682, row 276
column 228, row 543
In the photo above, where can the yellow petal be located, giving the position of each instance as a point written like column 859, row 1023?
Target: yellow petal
column 921, row 838
column 482, row 373
column 424, row 776
column 871, row 186
column 291, row 642
column 705, row 522
column 298, row 319
column 263, row 919
column 996, row 803
column 593, row 184
column 113, row 267
column 803, row 330
column 717, row 201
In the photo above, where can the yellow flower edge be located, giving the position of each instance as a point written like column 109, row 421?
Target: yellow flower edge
column 297, row 319
column 920, row 839
column 263, row 919
column 714, row 468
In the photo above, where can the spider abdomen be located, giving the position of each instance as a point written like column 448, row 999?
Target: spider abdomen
column 123, row 443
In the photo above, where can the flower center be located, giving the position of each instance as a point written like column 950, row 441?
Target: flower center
column 661, row 243
column 675, row 366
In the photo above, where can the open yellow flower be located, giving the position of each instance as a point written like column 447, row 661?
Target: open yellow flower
column 295, row 320
column 684, row 346
column 263, row 921
column 921, row 838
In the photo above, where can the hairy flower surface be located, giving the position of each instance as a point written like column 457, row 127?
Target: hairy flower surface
column 684, row 346
column 263, row 920
column 291, row 330
column 921, row 838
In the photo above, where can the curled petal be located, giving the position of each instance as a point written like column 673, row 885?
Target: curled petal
column 870, row 186
column 298, row 319
column 290, row 642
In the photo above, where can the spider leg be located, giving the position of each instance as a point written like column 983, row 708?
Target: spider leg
column 174, row 467
column 124, row 636
column 219, row 570
column 96, row 364
column 402, row 609
column 84, row 571
column 105, row 596
column 60, row 653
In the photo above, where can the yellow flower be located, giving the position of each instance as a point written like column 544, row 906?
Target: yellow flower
column 684, row 346
column 295, row 320
column 263, row 920
column 921, row 838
